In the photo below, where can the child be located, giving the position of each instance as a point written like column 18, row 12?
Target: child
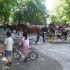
column 25, row 42
column 8, row 45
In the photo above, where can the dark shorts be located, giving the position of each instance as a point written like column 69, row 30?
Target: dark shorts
column 8, row 53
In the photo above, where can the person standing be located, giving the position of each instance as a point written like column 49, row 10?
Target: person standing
column 8, row 45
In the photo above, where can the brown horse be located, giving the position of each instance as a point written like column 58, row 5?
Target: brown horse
column 31, row 29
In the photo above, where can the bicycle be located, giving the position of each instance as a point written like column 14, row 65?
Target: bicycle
column 32, row 55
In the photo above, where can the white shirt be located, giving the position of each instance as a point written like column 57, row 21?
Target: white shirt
column 26, row 40
column 9, row 42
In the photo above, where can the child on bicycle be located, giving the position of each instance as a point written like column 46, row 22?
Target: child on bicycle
column 8, row 45
column 25, row 42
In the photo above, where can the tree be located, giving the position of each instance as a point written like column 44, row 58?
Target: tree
column 62, row 11
column 6, row 7
column 33, row 12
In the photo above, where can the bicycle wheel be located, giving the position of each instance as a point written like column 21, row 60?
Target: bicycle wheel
column 16, row 54
column 33, row 55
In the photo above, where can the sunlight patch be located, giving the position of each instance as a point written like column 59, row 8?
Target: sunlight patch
column 53, row 50
column 4, row 59
column 42, row 59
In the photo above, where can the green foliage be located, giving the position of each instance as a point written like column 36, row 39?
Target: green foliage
column 18, row 16
column 6, row 7
column 62, row 12
column 29, row 11
column 33, row 12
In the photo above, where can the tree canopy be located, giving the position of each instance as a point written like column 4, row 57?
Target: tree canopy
column 61, row 13
column 25, row 11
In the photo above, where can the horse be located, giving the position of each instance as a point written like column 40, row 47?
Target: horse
column 32, row 30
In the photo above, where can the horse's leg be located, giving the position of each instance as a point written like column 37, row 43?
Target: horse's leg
column 17, row 32
column 65, row 35
column 4, row 27
column 11, row 30
column 37, row 38
column 43, row 37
